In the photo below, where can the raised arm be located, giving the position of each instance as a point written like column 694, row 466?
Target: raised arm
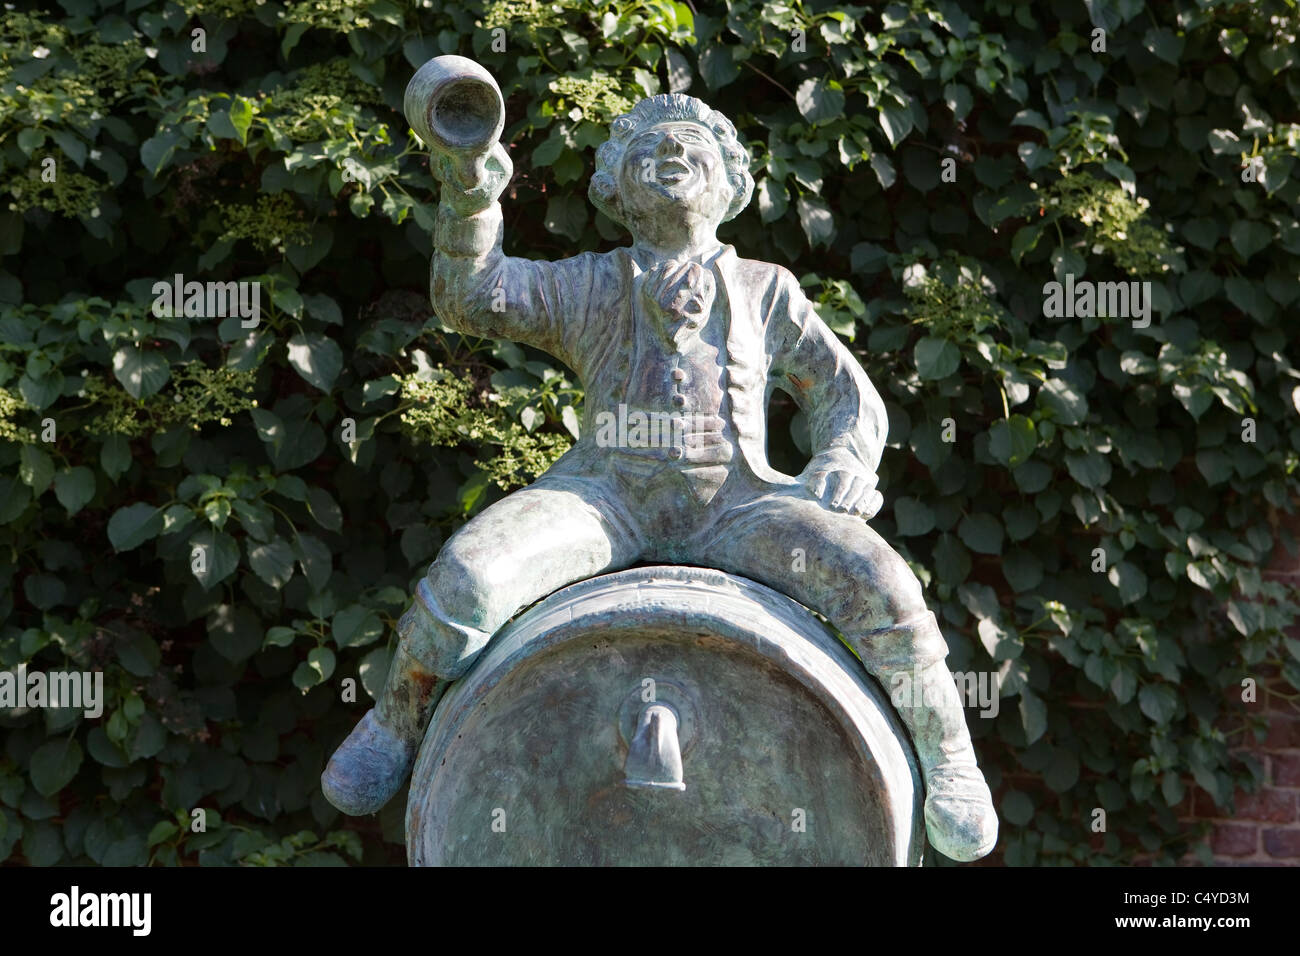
column 478, row 290
column 847, row 422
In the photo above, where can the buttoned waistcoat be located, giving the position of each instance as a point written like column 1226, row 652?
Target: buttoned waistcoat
column 580, row 310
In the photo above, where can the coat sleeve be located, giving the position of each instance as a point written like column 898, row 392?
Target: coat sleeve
column 477, row 290
column 845, row 412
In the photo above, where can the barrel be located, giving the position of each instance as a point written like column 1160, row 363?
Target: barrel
column 665, row 716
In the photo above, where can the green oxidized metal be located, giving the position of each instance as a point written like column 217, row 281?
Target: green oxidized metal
column 679, row 342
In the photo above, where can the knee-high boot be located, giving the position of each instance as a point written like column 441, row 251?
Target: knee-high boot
column 371, row 765
column 908, row 659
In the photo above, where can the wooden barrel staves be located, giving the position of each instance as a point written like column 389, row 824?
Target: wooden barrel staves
column 665, row 716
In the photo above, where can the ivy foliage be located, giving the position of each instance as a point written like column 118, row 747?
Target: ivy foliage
column 1095, row 531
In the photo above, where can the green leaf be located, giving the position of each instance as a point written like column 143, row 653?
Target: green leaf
column 1201, row 232
column 74, row 487
column 717, row 66
column 1013, row 440
column 317, row 358
column 1033, row 716
column 1214, row 464
column 14, row 498
column 41, row 391
column 958, row 99
column 936, row 358
column 141, row 373
column 1223, row 141
column 1063, row 772
column 138, row 653
column 569, row 418
column 324, row 509
column 1164, row 43
column 35, row 468
column 323, row 308
column 566, row 215
column 150, row 737
column 235, row 632
column 322, row 661
column 819, row 100
column 1066, row 403
column 356, row 626
column 241, row 117
column 1249, row 237
column 951, row 560
column 162, row 831
column 115, row 456
column 1247, row 296
column 1022, row 569
column 817, row 220
column 981, row 600
column 272, row 562
column 133, row 525
column 1034, row 156
column 895, row 121
column 913, row 517
column 30, row 140
column 419, row 544
column 1198, row 286
column 213, row 556
column 305, row 256
column 1159, row 702
column 156, row 150
column 1090, row 469
column 1024, row 241
column 884, row 170
column 373, row 670
column 1171, row 788
column 1017, row 808
column 44, row 591
column 773, row 199
column 1020, row 520
column 982, row 533
column 315, row 560
column 1233, row 42
column 279, row 637
column 1124, row 684
column 53, row 765
column 1130, row 580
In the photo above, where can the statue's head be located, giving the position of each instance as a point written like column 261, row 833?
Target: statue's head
column 671, row 156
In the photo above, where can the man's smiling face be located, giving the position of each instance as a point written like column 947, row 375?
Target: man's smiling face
column 674, row 165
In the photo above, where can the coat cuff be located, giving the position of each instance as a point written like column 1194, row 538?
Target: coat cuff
column 468, row 236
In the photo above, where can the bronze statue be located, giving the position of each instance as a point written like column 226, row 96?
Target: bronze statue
column 678, row 342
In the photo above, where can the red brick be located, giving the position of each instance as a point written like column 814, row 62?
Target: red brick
column 1267, row 806
column 1283, row 843
column 1283, row 733
column 1204, row 805
column 1276, row 690
column 1234, row 839
column 1286, row 770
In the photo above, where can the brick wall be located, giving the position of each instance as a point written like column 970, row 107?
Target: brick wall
column 1265, row 830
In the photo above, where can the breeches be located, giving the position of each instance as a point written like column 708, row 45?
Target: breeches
column 564, row 529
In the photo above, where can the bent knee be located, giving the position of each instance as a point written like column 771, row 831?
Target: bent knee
column 877, row 588
column 465, row 585
column 902, row 592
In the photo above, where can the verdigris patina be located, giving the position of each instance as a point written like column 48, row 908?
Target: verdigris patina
column 776, row 748
column 678, row 342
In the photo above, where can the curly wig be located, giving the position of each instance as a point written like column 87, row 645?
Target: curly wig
column 670, row 108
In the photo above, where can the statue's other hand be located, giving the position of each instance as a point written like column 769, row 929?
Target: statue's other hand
column 472, row 183
column 840, row 483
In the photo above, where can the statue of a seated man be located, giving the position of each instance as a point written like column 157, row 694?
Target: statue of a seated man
column 674, row 327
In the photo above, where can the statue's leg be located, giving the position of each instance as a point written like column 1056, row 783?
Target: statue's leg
column 519, row 550
column 837, row 565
